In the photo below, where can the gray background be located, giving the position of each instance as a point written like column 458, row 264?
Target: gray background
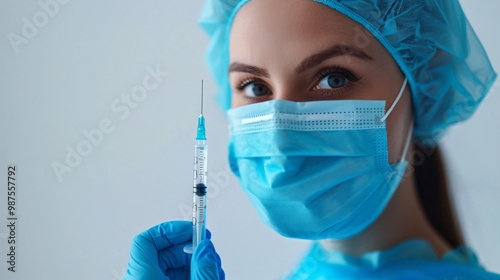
column 66, row 78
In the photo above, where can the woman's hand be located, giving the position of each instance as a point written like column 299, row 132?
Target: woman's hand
column 157, row 253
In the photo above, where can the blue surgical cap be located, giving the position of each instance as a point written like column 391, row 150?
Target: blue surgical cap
column 448, row 70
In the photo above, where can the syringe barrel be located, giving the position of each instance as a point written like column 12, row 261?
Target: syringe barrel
column 199, row 192
column 200, row 163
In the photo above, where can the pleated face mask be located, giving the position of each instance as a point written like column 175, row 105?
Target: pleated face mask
column 315, row 170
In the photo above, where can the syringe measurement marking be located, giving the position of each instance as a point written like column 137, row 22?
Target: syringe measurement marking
column 199, row 176
column 198, row 209
column 201, row 161
column 200, row 212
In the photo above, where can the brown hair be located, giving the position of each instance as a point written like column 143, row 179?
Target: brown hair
column 434, row 195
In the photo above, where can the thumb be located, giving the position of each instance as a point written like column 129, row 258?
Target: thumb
column 206, row 263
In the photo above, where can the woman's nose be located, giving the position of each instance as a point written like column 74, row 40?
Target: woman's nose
column 291, row 94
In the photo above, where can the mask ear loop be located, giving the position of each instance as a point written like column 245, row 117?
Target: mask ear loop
column 405, row 150
column 395, row 102
column 410, row 130
column 407, row 145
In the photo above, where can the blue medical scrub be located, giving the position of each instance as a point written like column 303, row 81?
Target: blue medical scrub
column 413, row 259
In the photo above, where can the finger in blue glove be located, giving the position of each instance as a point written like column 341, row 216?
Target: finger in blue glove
column 157, row 253
column 206, row 263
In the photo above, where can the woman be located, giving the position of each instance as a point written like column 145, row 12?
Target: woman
column 331, row 101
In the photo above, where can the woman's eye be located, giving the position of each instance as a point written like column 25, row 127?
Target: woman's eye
column 254, row 89
column 332, row 81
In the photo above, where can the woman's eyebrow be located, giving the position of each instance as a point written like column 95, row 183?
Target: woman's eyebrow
column 311, row 61
column 242, row 67
column 337, row 50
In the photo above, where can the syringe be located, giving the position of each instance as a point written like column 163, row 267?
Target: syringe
column 200, row 182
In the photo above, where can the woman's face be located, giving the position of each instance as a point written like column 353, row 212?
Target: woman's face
column 300, row 50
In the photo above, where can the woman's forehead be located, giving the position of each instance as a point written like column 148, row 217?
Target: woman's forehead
column 283, row 18
column 263, row 30
column 263, row 25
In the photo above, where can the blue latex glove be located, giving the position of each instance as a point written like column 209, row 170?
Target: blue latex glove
column 157, row 253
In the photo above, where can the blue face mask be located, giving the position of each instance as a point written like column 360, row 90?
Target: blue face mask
column 315, row 170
